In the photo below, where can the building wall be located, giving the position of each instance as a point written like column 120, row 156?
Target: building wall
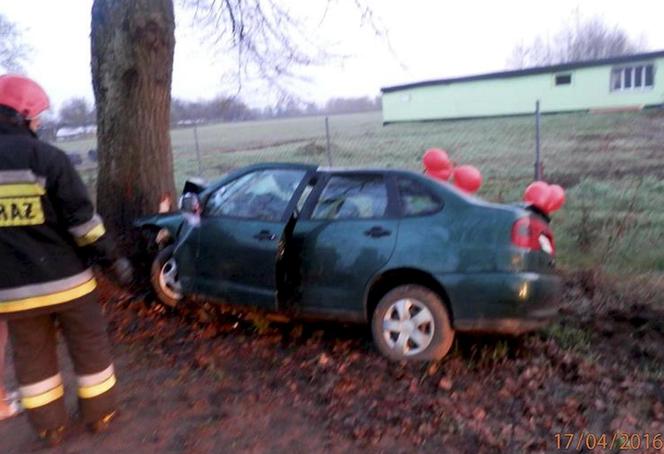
column 590, row 89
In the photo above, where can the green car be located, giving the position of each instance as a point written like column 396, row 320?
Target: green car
column 414, row 257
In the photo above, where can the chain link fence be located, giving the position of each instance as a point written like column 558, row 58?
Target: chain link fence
column 611, row 165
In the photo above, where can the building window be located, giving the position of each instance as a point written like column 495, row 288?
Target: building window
column 637, row 77
column 563, row 79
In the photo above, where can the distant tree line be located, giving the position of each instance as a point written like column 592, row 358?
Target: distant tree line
column 230, row 109
column 220, row 108
column 579, row 39
column 76, row 116
column 78, row 113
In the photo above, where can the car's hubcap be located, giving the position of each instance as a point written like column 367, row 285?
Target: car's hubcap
column 169, row 280
column 408, row 327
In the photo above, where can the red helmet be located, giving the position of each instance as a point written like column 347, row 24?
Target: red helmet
column 23, row 95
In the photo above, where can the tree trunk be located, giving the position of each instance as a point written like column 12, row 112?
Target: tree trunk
column 132, row 62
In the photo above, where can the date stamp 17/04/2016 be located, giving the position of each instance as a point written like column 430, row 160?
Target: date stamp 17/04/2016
column 623, row 441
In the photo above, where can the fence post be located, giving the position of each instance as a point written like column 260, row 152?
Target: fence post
column 198, row 152
column 327, row 138
column 538, row 164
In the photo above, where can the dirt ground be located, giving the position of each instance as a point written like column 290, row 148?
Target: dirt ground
column 196, row 382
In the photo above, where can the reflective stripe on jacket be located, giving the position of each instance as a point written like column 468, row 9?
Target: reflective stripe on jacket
column 49, row 230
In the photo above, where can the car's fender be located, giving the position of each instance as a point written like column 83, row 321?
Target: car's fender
column 170, row 222
column 391, row 277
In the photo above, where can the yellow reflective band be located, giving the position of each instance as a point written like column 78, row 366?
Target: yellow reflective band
column 93, row 391
column 46, row 398
column 21, row 211
column 92, row 236
column 21, row 189
column 51, row 299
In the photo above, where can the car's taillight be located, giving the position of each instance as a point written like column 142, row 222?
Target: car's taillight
column 533, row 233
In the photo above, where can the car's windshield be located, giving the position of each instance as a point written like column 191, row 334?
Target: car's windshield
column 262, row 194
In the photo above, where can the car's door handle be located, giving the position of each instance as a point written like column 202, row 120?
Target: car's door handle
column 265, row 235
column 377, row 232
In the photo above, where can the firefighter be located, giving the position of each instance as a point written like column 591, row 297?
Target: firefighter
column 49, row 235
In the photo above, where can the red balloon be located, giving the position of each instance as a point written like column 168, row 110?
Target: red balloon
column 556, row 198
column 467, row 178
column 436, row 159
column 537, row 193
column 443, row 174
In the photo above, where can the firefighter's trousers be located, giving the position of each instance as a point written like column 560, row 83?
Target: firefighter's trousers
column 34, row 345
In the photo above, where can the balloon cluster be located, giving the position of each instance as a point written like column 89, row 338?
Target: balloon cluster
column 437, row 165
column 546, row 197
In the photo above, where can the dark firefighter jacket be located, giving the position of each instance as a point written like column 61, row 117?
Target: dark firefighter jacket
column 49, row 230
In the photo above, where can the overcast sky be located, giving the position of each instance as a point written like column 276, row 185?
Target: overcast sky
column 430, row 39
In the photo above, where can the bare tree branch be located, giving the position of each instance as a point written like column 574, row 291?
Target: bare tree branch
column 269, row 42
column 13, row 49
column 579, row 39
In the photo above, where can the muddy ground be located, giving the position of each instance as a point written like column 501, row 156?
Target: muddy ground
column 196, row 382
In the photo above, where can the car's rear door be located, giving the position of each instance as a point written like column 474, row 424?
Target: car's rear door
column 239, row 233
column 345, row 234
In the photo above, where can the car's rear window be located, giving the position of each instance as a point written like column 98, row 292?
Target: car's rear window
column 416, row 199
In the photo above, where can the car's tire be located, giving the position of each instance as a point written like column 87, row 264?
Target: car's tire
column 164, row 277
column 402, row 334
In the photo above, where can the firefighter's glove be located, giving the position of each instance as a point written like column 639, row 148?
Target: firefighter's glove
column 123, row 271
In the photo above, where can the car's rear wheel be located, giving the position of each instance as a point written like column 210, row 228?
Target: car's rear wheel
column 411, row 322
column 165, row 279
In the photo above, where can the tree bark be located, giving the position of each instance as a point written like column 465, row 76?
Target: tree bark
column 132, row 44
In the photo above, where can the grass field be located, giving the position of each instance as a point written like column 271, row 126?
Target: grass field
column 611, row 165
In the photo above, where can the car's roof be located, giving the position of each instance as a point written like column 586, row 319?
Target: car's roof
column 361, row 170
column 269, row 165
column 324, row 169
column 440, row 187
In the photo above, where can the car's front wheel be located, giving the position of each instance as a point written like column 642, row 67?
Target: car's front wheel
column 411, row 322
column 165, row 278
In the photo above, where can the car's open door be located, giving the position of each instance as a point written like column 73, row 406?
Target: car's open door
column 238, row 239
column 347, row 233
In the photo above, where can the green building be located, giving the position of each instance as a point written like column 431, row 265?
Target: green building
column 619, row 83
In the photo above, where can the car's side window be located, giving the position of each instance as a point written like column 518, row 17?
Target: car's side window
column 416, row 199
column 352, row 197
column 263, row 194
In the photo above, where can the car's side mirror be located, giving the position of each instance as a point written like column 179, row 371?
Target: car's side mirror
column 190, row 203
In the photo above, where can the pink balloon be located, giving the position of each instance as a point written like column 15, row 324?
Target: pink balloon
column 436, row 159
column 537, row 193
column 443, row 174
column 467, row 178
column 556, row 198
